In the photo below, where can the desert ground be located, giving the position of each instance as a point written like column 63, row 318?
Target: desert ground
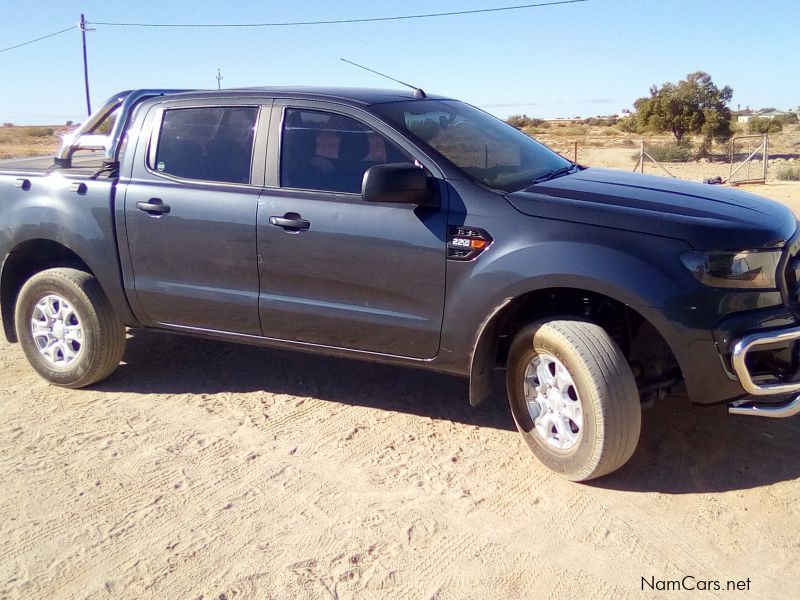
column 215, row 471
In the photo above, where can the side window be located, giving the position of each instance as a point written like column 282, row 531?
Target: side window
column 210, row 144
column 329, row 152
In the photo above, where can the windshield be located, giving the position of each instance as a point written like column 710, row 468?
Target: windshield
column 482, row 146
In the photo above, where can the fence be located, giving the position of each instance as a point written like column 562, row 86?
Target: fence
column 745, row 160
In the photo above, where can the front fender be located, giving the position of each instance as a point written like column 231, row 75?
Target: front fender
column 637, row 270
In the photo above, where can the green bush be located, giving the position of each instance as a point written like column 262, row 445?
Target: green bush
column 628, row 125
column 789, row 173
column 764, row 125
column 670, row 152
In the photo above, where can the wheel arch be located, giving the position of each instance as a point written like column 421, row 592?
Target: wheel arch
column 24, row 261
column 562, row 300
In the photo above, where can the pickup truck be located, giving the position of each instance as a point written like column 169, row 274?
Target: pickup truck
column 408, row 229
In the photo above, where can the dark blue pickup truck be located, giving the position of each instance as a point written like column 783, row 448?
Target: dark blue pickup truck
column 403, row 228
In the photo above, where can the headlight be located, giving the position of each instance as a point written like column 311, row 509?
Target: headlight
column 746, row 269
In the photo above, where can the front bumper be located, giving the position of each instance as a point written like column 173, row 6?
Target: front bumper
column 752, row 342
column 764, row 408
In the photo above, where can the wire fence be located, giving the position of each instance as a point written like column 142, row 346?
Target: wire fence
column 744, row 159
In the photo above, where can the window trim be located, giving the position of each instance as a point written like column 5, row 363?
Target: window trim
column 155, row 135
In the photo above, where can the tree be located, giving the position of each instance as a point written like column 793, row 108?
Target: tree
column 694, row 105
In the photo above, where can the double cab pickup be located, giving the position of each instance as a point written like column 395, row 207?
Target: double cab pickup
column 410, row 229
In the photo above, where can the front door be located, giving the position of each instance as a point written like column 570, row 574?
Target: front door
column 334, row 270
column 190, row 219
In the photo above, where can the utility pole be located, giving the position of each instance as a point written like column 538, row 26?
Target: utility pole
column 85, row 65
column 219, row 80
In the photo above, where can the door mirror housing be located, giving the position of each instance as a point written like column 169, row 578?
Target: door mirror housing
column 400, row 183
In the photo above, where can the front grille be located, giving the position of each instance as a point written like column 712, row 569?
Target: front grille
column 793, row 280
column 791, row 274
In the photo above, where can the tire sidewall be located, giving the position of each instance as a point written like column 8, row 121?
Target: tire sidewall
column 32, row 292
column 581, row 458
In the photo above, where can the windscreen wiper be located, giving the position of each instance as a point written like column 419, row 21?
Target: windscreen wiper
column 555, row 173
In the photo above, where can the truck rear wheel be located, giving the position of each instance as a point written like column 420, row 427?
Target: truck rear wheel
column 573, row 397
column 67, row 328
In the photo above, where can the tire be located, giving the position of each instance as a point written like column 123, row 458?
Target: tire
column 67, row 328
column 587, row 424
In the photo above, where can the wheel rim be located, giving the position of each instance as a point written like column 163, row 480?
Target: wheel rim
column 57, row 331
column 553, row 404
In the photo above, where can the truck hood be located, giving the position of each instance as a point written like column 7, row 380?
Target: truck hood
column 709, row 217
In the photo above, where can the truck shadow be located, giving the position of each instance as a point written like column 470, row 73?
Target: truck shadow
column 688, row 449
column 683, row 448
column 170, row 364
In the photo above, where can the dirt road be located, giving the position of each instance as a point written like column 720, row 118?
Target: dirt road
column 208, row 470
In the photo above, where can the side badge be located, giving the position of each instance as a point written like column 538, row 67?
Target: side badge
column 466, row 243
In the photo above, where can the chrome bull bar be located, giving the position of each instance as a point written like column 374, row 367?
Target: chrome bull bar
column 750, row 406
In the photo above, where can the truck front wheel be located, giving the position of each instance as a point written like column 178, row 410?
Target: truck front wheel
column 67, row 328
column 573, row 397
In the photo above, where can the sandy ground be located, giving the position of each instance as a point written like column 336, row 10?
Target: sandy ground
column 215, row 471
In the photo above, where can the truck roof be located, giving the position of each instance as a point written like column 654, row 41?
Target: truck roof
column 358, row 96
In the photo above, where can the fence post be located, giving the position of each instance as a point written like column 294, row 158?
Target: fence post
column 766, row 155
column 576, row 152
column 641, row 155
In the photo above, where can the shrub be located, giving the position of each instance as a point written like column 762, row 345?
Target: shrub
column 601, row 121
column 789, row 119
column 523, row 121
column 670, row 152
column 39, row 131
column 628, row 125
column 764, row 125
column 8, row 124
column 789, row 173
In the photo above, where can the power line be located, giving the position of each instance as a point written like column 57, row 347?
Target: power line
column 44, row 37
column 343, row 21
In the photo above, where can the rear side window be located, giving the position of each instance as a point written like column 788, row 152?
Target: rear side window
column 209, row 144
column 330, row 152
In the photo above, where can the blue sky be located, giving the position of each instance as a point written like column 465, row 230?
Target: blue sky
column 581, row 59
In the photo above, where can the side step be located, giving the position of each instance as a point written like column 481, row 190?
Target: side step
column 747, row 406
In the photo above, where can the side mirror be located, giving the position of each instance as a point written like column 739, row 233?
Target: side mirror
column 401, row 183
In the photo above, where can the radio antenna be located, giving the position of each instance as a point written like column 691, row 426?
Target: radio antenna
column 418, row 92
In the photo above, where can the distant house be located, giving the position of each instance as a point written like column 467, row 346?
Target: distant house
column 769, row 113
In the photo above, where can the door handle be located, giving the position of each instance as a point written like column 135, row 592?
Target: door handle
column 154, row 207
column 291, row 222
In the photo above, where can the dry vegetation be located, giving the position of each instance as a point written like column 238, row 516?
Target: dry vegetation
column 30, row 141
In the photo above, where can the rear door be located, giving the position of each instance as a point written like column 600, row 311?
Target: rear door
column 190, row 216
column 335, row 270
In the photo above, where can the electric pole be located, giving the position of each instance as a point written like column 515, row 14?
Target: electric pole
column 219, row 80
column 85, row 65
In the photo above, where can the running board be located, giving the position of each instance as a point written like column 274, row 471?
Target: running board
column 763, row 409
